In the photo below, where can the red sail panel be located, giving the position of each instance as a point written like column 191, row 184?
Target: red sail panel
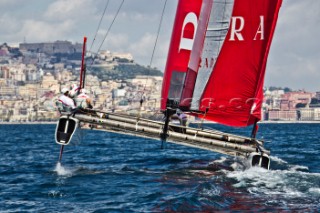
column 191, row 75
column 233, row 95
column 182, row 39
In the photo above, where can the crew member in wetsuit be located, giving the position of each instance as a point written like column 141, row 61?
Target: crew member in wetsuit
column 83, row 100
column 66, row 101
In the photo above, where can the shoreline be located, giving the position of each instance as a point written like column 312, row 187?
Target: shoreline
column 27, row 123
column 273, row 122
column 289, row 122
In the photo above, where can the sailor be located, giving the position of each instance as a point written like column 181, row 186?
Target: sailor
column 74, row 90
column 83, row 100
column 179, row 115
column 182, row 117
column 66, row 101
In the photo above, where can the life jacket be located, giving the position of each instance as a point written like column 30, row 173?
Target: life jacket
column 65, row 104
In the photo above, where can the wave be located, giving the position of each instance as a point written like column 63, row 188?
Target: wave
column 285, row 185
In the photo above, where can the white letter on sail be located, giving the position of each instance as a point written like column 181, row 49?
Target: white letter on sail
column 236, row 32
column 260, row 29
column 187, row 43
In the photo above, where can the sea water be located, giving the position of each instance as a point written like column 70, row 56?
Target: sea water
column 117, row 173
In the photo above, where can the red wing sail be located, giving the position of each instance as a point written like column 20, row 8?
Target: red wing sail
column 183, row 35
column 231, row 73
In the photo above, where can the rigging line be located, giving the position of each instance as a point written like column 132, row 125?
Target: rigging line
column 115, row 17
column 155, row 45
column 105, row 9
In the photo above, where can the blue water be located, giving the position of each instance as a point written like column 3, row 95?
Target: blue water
column 116, row 173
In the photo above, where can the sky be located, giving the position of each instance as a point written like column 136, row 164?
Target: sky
column 294, row 59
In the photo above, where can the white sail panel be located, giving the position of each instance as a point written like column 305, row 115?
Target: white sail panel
column 217, row 30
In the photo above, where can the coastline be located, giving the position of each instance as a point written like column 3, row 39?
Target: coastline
column 268, row 122
column 289, row 122
column 28, row 123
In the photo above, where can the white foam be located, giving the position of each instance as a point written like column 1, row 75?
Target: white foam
column 299, row 168
column 54, row 193
column 62, row 170
column 237, row 166
column 258, row 180
column 221, row 160
column 278, row 160
column 281, row 185
column 211, row 192
column 315, row 191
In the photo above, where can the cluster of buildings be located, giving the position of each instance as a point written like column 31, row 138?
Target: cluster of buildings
column 291, row 106
column 32, row 76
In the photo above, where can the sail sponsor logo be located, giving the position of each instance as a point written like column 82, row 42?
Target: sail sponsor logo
column 237, row 26
column 212, row 104
column 207, row 63
column 208, row 58
column 187, row 43
column 234, row 104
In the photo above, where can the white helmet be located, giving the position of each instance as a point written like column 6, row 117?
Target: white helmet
column 64, row 90
column 74, row 90
column 74, row 86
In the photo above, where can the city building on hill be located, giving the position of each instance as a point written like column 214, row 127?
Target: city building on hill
column 4, row 52
column 50, row 83
column 64, row 76
column 29, row 91
column 31, row 82
column 282, row 115
column 317, row 96
column 273, row 98
column 108, row 56
column 308, row 114
column 119, row 93
column 290, row 106
column 290, row 100
column 8, row 91
column 4, row 72
column 32, row 76
column 50, row 48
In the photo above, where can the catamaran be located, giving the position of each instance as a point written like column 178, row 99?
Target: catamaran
column 215, row 71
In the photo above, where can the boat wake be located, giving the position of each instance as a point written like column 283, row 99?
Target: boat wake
column 67, row 172
column 287, row 184
column 62, row 171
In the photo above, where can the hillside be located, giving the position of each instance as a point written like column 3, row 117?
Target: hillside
column 123, row 71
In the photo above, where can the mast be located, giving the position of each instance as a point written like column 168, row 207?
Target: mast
column 83, row 65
